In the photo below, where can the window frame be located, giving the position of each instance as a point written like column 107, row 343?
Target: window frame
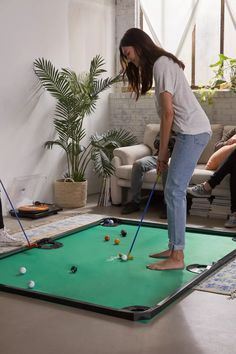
column 193, row 44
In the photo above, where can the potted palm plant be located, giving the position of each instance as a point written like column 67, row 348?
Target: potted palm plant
column 76, row 97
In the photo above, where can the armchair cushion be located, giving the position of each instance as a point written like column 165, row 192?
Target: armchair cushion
column 129, row 154
column 150, row 134
column 217, row 130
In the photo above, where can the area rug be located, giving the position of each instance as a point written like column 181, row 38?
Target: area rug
column 222, row 281
column 55, row 228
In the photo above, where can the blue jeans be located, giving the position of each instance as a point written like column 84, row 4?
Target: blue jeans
column 140, row 166
column 186, row 153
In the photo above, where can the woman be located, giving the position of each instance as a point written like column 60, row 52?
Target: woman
column 180, row 112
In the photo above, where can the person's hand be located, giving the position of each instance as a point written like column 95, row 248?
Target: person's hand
column 232, row 140
column 162, row 166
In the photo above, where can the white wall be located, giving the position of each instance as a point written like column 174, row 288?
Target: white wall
column 69, row 33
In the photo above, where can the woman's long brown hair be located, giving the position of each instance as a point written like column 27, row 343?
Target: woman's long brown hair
column 140, row 78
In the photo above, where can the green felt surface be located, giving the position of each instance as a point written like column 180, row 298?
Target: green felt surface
column 103, row 281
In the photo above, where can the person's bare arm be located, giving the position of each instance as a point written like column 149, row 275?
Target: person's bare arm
column 228, row 139
column 167, row 116
column 232, row 140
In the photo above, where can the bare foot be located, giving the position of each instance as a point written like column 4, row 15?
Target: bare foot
column 163, row 254
column 174, row 262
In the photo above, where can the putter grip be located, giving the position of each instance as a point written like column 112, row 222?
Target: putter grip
column 159, row 178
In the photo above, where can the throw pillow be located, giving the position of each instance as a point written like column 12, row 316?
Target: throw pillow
column 219, row 156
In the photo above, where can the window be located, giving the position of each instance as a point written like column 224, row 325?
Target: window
column 196, row 31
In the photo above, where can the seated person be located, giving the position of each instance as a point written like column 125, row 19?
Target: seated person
column 6, row 240
column 141, row 166
column 227, row 167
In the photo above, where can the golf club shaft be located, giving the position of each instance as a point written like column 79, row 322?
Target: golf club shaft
column 142, row 217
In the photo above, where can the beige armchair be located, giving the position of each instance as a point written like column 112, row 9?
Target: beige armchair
column 124, row 158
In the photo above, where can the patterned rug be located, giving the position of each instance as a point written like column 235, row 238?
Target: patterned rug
column 55, row 228
column 222, row 281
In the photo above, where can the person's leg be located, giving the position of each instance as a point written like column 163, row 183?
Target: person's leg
column 163, row 254
column 140, row 166
column 163, row 214
column 1, row 217
column 204, row 189
column 231, row 222
column 233, row 187
column 5, row 238
column 224, row 169
column 187, row 151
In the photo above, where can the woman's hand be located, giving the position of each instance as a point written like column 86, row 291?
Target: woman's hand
column 162, row 166
column 232, row 140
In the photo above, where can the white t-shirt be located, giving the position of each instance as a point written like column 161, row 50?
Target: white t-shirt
column 189, row 117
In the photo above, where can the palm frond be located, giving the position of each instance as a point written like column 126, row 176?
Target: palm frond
column 96, row 67
column 103, row 84
column 77, row 96
column 51, row 79
column 50, row 143
column 103, row 146
column 102, row 163
column 117, row 137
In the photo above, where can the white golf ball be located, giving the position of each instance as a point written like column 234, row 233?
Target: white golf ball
column 31, row 284
column 22, row 270
column 124, row 257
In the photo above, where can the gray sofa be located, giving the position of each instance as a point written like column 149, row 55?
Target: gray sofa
column 124, row 158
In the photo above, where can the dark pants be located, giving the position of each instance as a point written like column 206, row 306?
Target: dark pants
column 1, row 218
column 227, row 167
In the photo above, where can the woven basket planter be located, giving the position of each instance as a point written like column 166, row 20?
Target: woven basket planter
column 70, row 194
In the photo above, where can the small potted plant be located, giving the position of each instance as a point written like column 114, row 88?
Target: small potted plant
column 76, row 97
column 224, row 78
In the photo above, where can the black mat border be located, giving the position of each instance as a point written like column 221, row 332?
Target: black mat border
column 123, row 313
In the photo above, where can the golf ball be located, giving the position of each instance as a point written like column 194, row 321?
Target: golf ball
column 31, row 284
column 124, row 257
column 22, row 270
